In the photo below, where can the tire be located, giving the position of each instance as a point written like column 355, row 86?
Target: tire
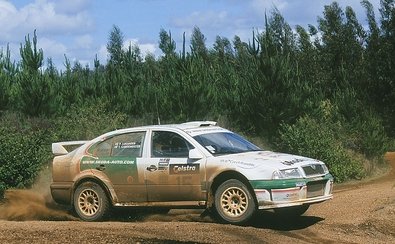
column 295, row 211
column 91, row 202
column 234, row 203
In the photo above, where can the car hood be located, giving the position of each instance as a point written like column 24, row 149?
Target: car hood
column 267, row 159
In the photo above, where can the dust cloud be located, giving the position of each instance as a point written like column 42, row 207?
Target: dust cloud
column 33, row 204
column 37, row 204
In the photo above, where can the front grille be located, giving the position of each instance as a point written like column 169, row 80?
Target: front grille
column 315, row 189
column 313, row 169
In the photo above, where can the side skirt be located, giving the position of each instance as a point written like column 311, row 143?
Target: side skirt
column 179, row 204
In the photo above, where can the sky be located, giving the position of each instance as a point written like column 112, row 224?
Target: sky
column 80, row 29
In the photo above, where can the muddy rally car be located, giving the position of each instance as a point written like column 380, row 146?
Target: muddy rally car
column 189, row 165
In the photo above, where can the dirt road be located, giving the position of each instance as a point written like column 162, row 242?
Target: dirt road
column 362, row 212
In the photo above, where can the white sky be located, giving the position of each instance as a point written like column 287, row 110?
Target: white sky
column 79, row 29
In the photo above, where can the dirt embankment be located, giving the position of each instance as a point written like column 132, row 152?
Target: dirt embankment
column 362, row 212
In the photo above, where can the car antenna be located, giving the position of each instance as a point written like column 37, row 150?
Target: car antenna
column 157, row 109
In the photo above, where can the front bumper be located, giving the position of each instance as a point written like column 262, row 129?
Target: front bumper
column 293, row 192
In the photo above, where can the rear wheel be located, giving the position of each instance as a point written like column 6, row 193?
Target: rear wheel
column 234, row 203
column 91, row 202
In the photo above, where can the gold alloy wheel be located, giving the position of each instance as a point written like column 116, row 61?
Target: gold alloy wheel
column 234, row 202
column 88, row 202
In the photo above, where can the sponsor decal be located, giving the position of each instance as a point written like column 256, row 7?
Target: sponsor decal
column 163, row 163
column 292, row 162
column 184, row 169
column 108, row 162
column 294, row 195
column 270, row 154
column 230, row 161
column 125, row 145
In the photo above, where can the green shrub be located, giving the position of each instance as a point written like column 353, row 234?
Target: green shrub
column 2, row 189
column 86, row 122
column 311, row 138
column 370, row 137
column 22, row 155
column 26, row 142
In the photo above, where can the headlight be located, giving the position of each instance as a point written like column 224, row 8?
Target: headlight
column 286, row 174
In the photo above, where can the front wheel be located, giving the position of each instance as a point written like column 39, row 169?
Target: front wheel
column 90, row 202
column 233, row 202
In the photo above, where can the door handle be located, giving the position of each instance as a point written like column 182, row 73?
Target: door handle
column 101, row 167
column 152, row 168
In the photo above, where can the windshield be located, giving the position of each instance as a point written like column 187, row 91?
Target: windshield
column 225, row 143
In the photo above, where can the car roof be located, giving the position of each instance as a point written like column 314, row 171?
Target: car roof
column 193, row 128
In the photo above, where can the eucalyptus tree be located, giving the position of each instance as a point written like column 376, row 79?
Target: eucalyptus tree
column 270, row 91
column 333, row 47
column 373, row 53
column 385, row 84
column 166, row 43
column 115, row 46
column 113, row 87
column 198, row 44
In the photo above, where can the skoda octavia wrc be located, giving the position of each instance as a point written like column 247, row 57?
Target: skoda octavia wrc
column 190, row 165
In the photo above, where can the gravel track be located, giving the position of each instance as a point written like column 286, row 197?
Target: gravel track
column 361, row 212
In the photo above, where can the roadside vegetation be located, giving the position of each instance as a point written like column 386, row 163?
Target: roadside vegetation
column 326, row 91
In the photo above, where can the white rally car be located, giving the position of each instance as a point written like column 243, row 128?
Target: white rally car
column 189, row 165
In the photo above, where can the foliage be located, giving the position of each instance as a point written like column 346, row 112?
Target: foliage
column 23, row 153
column 32, row 59
column 326, row 91
column 86, row 123
column 317, row 140
column 2, row 189
column 369, row 136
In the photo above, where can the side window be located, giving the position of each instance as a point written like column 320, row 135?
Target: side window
column 128, row 145
column 169, row 144
column 124, row 145
column 103, row 149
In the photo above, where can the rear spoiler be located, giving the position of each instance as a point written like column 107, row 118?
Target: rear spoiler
column 58, row 148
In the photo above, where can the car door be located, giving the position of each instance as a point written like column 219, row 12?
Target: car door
column 170, row 175
column 117, row 158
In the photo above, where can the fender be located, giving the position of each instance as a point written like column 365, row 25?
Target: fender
column 98, row 176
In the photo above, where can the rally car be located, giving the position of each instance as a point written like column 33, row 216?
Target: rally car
column 190, row 165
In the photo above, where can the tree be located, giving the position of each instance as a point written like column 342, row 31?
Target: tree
column 114, row 46
column 8, row 70
column 385, row 82
column 32, row 59
column 166, row 43
column 198, row 43
column 33, row 89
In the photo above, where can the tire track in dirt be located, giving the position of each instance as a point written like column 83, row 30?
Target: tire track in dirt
column 362, row 212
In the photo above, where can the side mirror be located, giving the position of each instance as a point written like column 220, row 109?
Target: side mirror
column 195, row 154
